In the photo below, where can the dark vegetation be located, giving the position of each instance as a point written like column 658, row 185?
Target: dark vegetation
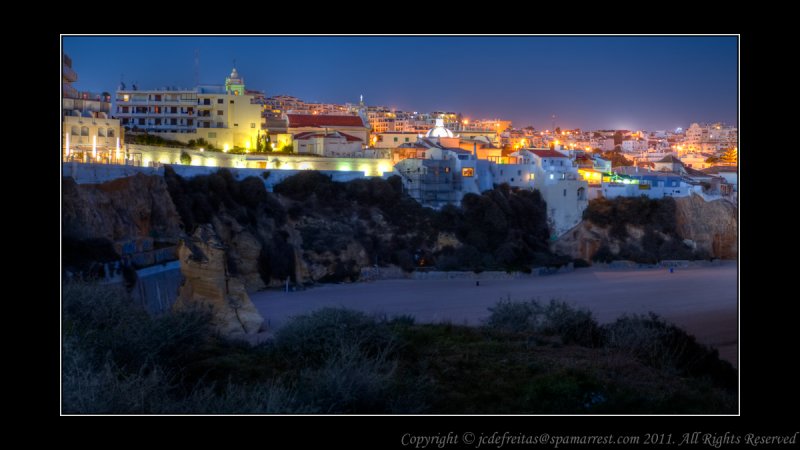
column 500, row 229
column 528, row 358
column 656, row 217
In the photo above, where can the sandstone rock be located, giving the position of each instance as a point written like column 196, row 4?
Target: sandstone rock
column 123, row 209
column 711, row 225
column 207, row 283
column 701, row 225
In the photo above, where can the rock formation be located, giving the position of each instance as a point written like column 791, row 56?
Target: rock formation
column 207, row 283
column 712, row 226
column 705, row 226
column 123, row 209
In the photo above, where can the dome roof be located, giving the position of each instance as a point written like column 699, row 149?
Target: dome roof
column 234, row 73
column 439, row 131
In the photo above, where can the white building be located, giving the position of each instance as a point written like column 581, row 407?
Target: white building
column 331, row 144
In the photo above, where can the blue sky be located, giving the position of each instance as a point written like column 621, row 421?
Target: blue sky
column 587, row 82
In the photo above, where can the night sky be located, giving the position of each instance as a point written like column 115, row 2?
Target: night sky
column 652, row 83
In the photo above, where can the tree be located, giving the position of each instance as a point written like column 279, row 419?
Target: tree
column 712, row 160
column 731, row 156
column 617, row 159
column 186, row 159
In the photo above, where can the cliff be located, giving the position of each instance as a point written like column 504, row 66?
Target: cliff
column 713, row 226
column 133, row 216
column 122, row 209
column 652, row 230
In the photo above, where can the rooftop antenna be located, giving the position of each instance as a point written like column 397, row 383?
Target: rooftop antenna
column 554, row 122
column 196, row 67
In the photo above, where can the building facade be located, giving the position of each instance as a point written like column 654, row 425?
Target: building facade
column 224, row 116
column 88, row 133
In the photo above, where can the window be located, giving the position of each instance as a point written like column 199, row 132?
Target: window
column 467, row 172
column 395, row 139
column 219, row 124
column 565, row 192
column 219, row 112
column 110, row 132
column 75, row 130
column 219, row 101
column 406, row 139
column 531, row 177
column 236, row 124
column 519, row 172
column 158, row 122
column 212, row 135
column 231, row 102
column 252, row 125
column 206, row 101
column 190, row 122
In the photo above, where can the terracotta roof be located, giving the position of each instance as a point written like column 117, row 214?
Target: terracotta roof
column 314, row 120
column 548, row 154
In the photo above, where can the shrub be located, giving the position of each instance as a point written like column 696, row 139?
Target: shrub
column 603, row 255
column 350, row 381
column 113, row 329
column 573, row 326
column 580, row 263
column 665, row 346
column 313, row 338
column 186, row 159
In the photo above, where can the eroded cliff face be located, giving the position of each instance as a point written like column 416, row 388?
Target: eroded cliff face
column 208, row 284
column 703, row 227
column 713, row 226
column 127, row 208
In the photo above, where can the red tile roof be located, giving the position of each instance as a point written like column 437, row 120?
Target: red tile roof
column 548, row 154
column 313, row 120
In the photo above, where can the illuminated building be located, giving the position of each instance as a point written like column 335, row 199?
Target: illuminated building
column 221, row 115
column 88, row 133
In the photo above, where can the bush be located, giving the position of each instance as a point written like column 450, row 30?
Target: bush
column 665, row 346
column 112, row 329
column 313, row 338
column 186, row 159
column 573, row 326
column 579, row 263
column 603, row 255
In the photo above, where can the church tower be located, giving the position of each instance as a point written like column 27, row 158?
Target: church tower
column 234, row 84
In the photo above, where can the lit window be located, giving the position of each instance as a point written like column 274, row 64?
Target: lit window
column 219, row 101
column 467, row 172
